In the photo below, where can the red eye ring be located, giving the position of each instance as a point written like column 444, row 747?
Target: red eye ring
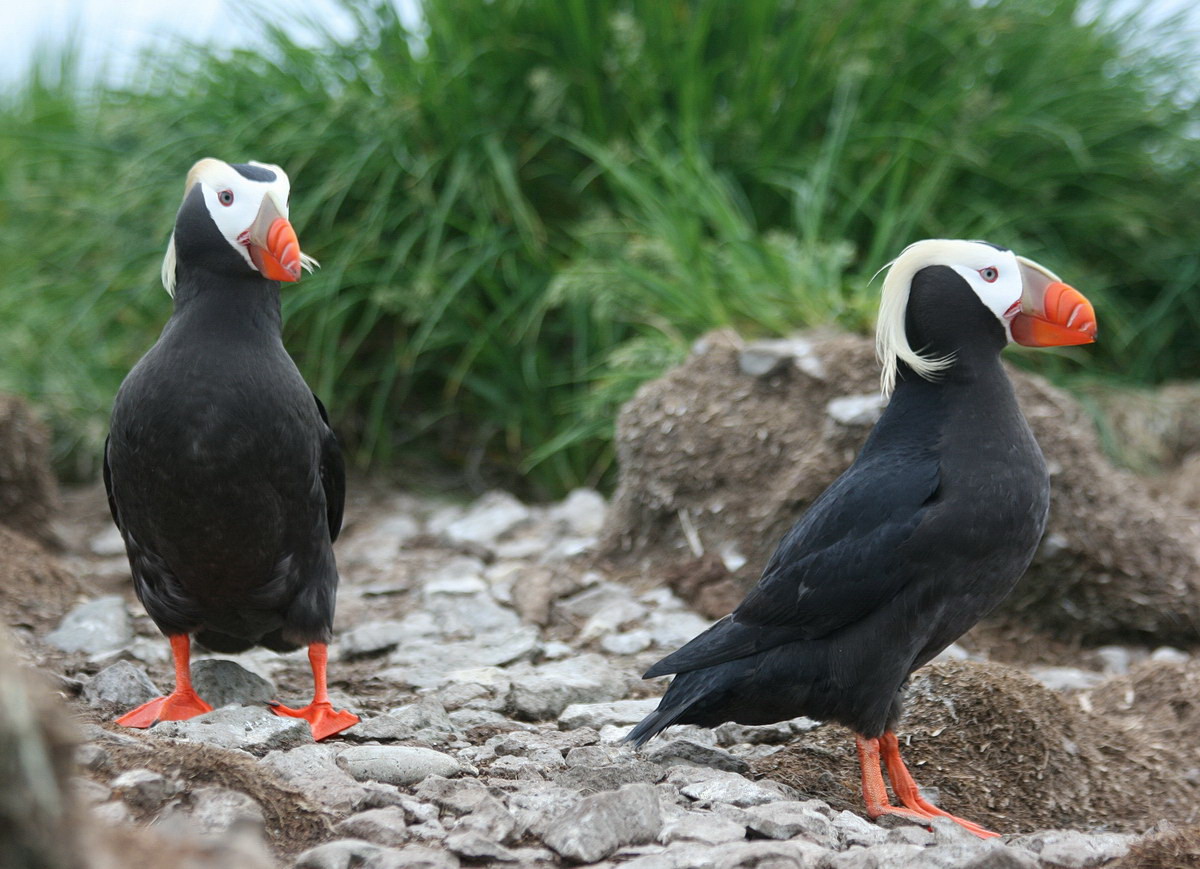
column 225, row 197
column 989, row 274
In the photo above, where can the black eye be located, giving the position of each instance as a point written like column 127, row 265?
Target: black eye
column 225, row 197
column 989, row 274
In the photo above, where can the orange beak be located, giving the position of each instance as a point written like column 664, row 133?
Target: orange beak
column 274, row 248
column 1052, row 314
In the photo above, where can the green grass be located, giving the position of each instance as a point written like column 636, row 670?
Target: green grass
column 545, row 204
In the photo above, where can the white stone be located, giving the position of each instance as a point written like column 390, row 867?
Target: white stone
column 856, row 410
column 488, row 519
column 250, row 729
column 396, row 764
column 100, row 625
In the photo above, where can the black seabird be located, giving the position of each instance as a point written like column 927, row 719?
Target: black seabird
column 918, row 540
column 222, row 472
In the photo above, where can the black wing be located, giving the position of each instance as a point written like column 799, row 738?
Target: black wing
column 836, row 565
column 333, row 474
column 108, row 490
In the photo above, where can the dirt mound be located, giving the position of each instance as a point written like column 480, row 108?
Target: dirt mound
column 28, row 492
column 720, row 456
column 35, row 764
column 1004, row 751
column 1159, row 701
column 1149, row 429
column 36, row 588
column 1176, row 848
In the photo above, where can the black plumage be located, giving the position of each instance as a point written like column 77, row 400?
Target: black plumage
column 223, row 474
column 925, row 533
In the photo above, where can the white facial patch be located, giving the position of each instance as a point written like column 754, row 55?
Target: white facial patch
column 233, row 201
column 994, row 275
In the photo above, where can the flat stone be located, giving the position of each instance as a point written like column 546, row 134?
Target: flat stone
column 582, row 512
column 222, row 683
column 384, row 826
column 100, row 625
column 396, row 764
column 421, row 857
column 537, row 804
column 626, row 643
column 313, row 770
column 598, row 825
column 610, row 618
column 584, row 604
column 371, row 638
column 476, row 846
column 456, row 796
column 717, row 786
column 855, row 830
column 705, row 827
column 352, row 853
column 787, row 819
column 1066, row 678
column 766, row 734
column 123, row 684
column 492, row 820
column 596, row 715
column 670, row 629
column 856, row 410
column 251, row 729
column 543, row 692
column 143, row 789
column 768, row 356
column 890, row 855
column 610, row 777
column 425, row 720
column 487, row 520
column 673, row 752
column 216, row 811
column 1070, row 849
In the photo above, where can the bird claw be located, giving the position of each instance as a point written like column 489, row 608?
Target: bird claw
column 322, row 718
column 176, row 706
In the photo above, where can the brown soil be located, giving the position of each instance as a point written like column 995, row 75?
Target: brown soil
column 715, row 459
column 1006, row 752
column 293, row 824
column 28, row 491
column 36, row 588
column 1176, row 848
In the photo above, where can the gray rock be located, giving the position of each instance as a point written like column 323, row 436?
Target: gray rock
column 88, row 792
column 123, row 684
column 717, row 786
column 537, row 804
column 610, row 618
column 1114, row 660
column 1170, row 655
column 787, row 819
column 475, row 846
column 1070, row 849
column 596, row 715
column 705, row 827
column 251, row 729
column 91, row 756
column 598, row 825
column 396, row 764
column 385, row 826
column 424, row 720
column 216, row 811
column 766, row 734
column 492, row 820
column 456, row 796
column 582, row 605
column 1066, row 678
column 761, row 358
column 990, row 854
column 224, row 683
column 670, row 629
column 100, row 625
column 313, row 770
column 114, row 813
column 487, row 520
column 143, row 790
column 371, row 638
column 855, row 830
column 355, row 854
column 421, row 857
column 893, row 855
column 627, row 643
column 476, row 688
column 856, row 410
column 582, row 512
column 673, row 752
column 544, row 692
column 610, row 777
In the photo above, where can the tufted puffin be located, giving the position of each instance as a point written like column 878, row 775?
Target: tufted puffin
column 922, row 536
column 223, row 474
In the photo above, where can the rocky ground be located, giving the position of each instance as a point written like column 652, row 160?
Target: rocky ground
column 494, row 650
column 496, row 671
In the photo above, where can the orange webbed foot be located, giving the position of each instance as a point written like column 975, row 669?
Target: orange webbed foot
column 322, row 718
column 176, row 706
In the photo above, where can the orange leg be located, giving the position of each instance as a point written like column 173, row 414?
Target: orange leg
column 182, row 703
column 320, row 714
column 875, row 792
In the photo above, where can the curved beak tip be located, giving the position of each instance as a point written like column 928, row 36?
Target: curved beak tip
column 1063, row 317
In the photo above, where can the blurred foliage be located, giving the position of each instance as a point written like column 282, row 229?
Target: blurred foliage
column 534, row 205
